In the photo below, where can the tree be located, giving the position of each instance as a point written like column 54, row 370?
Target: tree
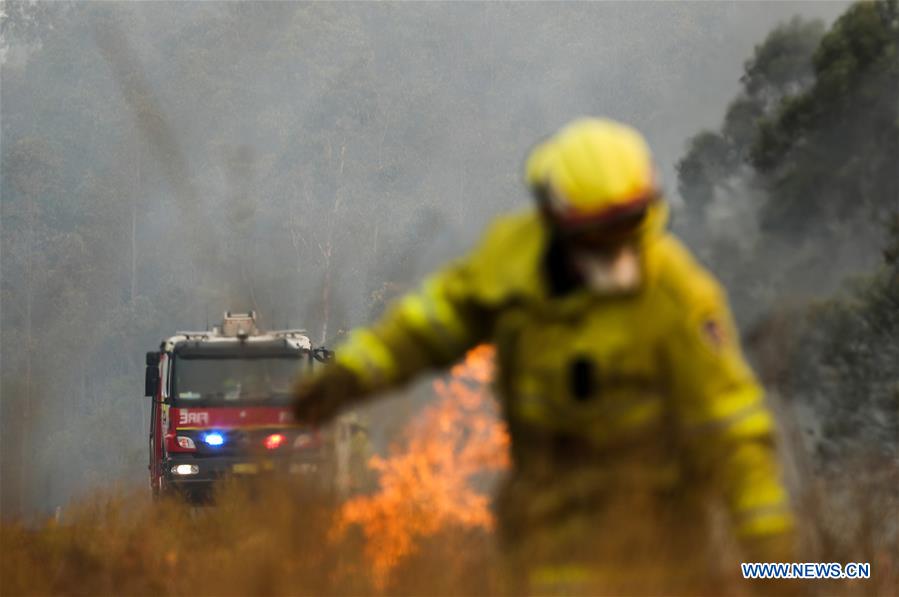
column 844, row 367
column 810, row 144
column 780, row 68
column 828, row 154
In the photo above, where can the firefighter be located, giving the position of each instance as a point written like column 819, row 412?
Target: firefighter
column 628, row 402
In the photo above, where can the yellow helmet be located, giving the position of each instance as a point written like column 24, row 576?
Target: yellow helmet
column 596, row 175
column 537, row 165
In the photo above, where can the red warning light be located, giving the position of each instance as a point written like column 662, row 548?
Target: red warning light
column 274, row 441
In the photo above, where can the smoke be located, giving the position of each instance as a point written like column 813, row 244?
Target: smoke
column 308, row 160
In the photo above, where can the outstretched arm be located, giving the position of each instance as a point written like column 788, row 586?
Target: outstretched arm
column 429, row 328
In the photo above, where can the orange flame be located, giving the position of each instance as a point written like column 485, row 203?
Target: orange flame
column 424, row 484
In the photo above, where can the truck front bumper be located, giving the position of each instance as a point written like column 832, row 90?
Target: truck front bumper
column 190, row 473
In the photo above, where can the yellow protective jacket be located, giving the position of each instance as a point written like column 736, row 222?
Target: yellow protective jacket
column 604, row 373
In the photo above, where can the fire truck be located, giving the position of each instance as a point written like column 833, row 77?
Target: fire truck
column 221, row 406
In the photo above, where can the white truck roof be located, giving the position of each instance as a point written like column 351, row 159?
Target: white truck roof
column 240, row 328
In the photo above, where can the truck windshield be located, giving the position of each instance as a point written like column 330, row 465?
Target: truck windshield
column 238, row 381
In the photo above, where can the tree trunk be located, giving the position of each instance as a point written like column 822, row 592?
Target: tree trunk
column 326, row 293
column 25, row 429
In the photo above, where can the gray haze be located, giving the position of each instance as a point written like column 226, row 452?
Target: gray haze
column 303, row 159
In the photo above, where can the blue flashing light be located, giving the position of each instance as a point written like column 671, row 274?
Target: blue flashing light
column 214, row 439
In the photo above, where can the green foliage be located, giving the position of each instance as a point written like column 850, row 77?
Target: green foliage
column 809, row 149
column 830, row 153
column 816, row 127
column 828, row 162
column 709, row 161
column 845, row 367
column 780, row 67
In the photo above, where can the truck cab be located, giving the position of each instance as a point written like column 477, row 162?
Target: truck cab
column 221, row 406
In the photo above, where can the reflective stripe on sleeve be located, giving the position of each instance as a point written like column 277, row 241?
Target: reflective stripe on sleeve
column 757, row 499
column 368, row 357
column 740, row 414
column 435, row 318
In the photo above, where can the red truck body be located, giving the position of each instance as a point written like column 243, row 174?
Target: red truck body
column 221, row 405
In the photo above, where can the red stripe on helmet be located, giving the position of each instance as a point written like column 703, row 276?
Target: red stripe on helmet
column 572, row 218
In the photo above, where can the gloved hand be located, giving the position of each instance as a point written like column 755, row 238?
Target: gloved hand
column 319, row 398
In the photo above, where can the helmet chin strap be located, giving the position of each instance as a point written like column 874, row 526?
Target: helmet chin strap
column 619, row 273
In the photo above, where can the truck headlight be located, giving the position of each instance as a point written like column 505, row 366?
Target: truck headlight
column 185, row 469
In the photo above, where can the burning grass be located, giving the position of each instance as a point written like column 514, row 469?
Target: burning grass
column 425, row 484
column 426, row 530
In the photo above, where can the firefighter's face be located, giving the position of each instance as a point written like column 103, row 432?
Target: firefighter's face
column 606, row 255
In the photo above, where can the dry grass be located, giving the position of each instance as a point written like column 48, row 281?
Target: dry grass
column 254, row 542
column 426, row 531
column 276, row 538
column 263, row 538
